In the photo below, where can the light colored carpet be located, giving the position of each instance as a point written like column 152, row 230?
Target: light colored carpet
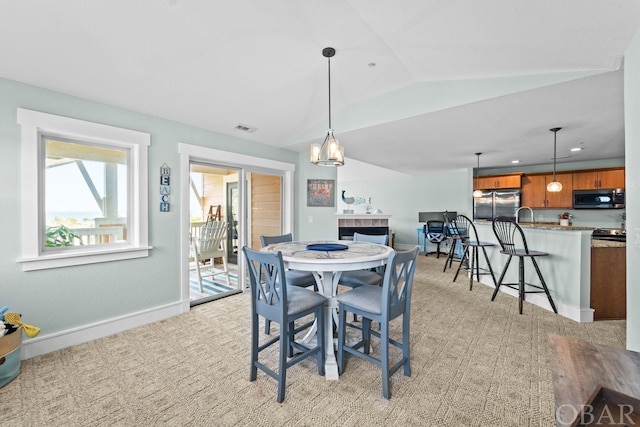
column 474, row 363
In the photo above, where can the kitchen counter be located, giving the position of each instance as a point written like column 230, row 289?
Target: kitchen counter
column 545, row 226
column 567, row 269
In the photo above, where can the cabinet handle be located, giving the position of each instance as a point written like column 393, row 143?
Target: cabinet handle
column 599, row 184
column 595, row 184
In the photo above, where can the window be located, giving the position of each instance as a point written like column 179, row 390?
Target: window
column 84, row 192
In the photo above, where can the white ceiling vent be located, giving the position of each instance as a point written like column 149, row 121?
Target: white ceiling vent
column 245, row 128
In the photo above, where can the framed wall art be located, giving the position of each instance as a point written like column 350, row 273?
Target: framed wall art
column 321, row 193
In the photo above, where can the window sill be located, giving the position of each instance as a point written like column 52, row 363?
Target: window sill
column 71, row 258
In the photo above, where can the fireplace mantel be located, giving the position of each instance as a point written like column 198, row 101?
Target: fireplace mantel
column 363, row 216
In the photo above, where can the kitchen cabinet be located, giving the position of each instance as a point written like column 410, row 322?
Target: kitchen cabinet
column 609, row 283
column 594, row 179
column 535, row 194
column 498, row 181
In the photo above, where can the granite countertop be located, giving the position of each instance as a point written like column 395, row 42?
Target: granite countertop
column 544, row 226
column 554, row 226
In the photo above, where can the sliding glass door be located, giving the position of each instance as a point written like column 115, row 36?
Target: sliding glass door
column 215, row 197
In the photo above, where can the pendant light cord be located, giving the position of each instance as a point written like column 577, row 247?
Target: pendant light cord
column 555, row 134
column 329, row 68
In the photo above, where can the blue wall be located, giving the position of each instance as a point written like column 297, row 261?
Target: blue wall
column 72, row 298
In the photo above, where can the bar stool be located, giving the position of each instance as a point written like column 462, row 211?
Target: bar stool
column 506, row 230
column 466, row 230
column 452, row 234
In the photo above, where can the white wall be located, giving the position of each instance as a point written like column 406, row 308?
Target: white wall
column 403, row 196
column 632, row 150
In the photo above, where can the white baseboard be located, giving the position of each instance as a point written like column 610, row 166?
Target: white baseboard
column 45, row 344
column 571, row 312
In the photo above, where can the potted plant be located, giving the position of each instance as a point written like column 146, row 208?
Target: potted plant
column 565, row 219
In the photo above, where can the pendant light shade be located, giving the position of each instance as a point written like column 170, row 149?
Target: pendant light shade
column 330, row 153
column 554, row 186
column 477, row 192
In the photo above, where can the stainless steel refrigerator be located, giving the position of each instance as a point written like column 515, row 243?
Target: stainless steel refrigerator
column 494, row 203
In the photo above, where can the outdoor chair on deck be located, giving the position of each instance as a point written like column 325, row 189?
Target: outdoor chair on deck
column 510, row 235
column 273, row 299
column 381, row 304
column 207, row 247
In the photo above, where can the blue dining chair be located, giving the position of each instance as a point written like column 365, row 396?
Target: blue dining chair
column 381, row 304
column 303, row 279
column 356, row 278
column 272, row 299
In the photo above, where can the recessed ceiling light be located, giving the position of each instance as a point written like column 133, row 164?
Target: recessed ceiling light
column 577, row 149
column 515, row 161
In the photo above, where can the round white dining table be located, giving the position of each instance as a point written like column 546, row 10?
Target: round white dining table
column 327, row 267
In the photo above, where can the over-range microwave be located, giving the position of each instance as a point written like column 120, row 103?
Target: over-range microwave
column 612, row 198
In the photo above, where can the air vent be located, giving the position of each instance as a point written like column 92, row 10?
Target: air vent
column 245, row 128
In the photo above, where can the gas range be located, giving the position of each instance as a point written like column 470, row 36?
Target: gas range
column 614, row 234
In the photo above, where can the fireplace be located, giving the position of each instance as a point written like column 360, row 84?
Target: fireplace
column 365, row 224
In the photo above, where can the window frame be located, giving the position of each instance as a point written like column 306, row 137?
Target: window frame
column 33, row 124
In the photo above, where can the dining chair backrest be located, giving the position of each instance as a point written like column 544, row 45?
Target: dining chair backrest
column 381, row 239
column 212, row 237
column 266, row 273
column 398, row 282
column 509, row 235
column 269, row 240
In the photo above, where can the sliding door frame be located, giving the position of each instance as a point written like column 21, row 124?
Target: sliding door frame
column 245, row 164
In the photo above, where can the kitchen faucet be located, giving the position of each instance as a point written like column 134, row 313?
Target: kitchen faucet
column 524, row 207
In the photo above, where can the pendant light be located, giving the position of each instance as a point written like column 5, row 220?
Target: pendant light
column 330, row 153
column 554, row 186
column 477, row 192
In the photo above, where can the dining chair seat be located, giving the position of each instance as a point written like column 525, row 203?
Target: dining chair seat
column 359, row 278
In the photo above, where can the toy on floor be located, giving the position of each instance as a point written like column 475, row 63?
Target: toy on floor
column 14, row 319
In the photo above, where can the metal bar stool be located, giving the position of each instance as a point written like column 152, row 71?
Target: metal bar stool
column 452, row 234
column 466, row 230
column 507, row 232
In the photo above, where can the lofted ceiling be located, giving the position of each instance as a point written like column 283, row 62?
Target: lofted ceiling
column 417, row 85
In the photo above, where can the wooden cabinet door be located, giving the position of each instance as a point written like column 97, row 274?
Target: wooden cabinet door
column 533, row 191
column 486, row 183
column 611, row 178
column 563, row 199
column 598, row 179
column 608, row 285
column 497, row 181
column 585, row 180
column 509, row 181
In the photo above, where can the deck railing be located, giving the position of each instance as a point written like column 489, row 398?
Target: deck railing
column 99, row 235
